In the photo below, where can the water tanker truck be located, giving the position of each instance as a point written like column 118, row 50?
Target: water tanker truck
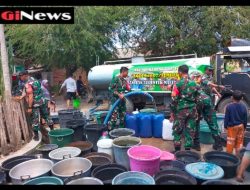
column 145, row 74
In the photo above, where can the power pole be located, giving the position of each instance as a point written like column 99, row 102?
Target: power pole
column 5, row 63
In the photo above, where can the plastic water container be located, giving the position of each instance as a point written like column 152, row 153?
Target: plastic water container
column 145, row 125
column 145, row 159
column 105, row 146
column 157, row 122
column 131, row 123
column 167, row 130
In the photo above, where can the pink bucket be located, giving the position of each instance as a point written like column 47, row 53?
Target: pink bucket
column 145, row 159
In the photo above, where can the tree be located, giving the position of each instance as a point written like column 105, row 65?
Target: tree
column 5, row 63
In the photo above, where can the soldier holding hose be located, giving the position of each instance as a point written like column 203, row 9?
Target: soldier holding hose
column 118, row 87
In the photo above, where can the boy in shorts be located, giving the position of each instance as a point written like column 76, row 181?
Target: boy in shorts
column 235, row 122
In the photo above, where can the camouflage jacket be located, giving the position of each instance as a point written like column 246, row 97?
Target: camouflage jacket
column 205, row 80
column 118, row 84
column 187, row 97
column 38, row 99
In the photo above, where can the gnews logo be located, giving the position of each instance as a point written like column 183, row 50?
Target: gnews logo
column 34, row 15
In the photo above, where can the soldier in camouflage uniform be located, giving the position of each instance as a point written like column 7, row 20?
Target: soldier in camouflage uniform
column 37, row 105
column 117, row 87
column 205, row 108
column 184, row 110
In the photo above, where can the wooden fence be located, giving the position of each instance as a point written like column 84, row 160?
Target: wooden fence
column 14, row 129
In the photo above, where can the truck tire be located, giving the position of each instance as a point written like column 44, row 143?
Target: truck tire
column 223, row 104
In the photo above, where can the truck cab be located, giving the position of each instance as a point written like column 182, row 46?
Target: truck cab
column 233, row 71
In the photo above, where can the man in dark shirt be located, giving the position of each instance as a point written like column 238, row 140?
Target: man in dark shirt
column 235, row 122
column 80, row 85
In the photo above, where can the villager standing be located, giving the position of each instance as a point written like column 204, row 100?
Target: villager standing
column 71, row 87
column 235, row 122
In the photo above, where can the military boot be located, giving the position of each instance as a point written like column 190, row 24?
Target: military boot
column 217, row 143
column 36, row 136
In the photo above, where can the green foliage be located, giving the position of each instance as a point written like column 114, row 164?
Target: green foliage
column 163, row 30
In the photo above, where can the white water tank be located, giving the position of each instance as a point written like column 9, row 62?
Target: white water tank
column 138, row 59
column 167, row 130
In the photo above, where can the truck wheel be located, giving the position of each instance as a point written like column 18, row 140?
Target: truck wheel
column 223, row 104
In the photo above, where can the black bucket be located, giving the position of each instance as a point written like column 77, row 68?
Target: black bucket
column 2, row 177
column 172, row 164
column 121, row 132
column 78, row 126
column 68, row 115
column 45, row 149
column 98, row 159
column 218, row 182
column 228, row 162
column 107, row 173
column 242, row 151
column 85, row 146
column 187, row 157
column 246, row 138
column 93, row 132
column 174, row 177
column 7, row 165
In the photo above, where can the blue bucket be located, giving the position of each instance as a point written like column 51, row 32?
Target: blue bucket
column 133, row 178
column 46, row 180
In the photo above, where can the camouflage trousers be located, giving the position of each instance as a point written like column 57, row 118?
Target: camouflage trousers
column 118, row 113
column 38, row 113
column 205, row 108
column 184, row 125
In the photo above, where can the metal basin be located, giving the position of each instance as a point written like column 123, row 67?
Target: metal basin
column 86, row 181
column 72, row 167
column 64, row 153
column 30, row 169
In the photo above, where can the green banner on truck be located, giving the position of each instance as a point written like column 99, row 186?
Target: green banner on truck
column 154, row 77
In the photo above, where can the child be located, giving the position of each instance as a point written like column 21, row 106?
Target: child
column 244, row 164
column 235, row 122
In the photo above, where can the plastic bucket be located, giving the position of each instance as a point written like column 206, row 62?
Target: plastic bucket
column 107, row 173
column 78, row 126
column 187, row 156
column 218, row 182
column 61, row 137
column 93, row 132
column 120, row 148
column 46, row 180
column 145, row 159
column 76, row 103
column 98, row 159
column 174, row 177
column 133, row 178
column 84, row 146
column 45, row 149
column 121, row 132
column 172, row 164
column 2, row 177
column 105, row 146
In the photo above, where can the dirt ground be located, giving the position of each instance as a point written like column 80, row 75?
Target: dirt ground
column 157, row 142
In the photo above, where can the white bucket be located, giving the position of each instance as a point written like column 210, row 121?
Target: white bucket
column 167, row 130
column 105, row 145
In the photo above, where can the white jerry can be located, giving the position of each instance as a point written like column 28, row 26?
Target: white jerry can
column 167, row 130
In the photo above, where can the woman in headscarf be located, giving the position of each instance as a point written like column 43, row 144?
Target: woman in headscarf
column 46, row 94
